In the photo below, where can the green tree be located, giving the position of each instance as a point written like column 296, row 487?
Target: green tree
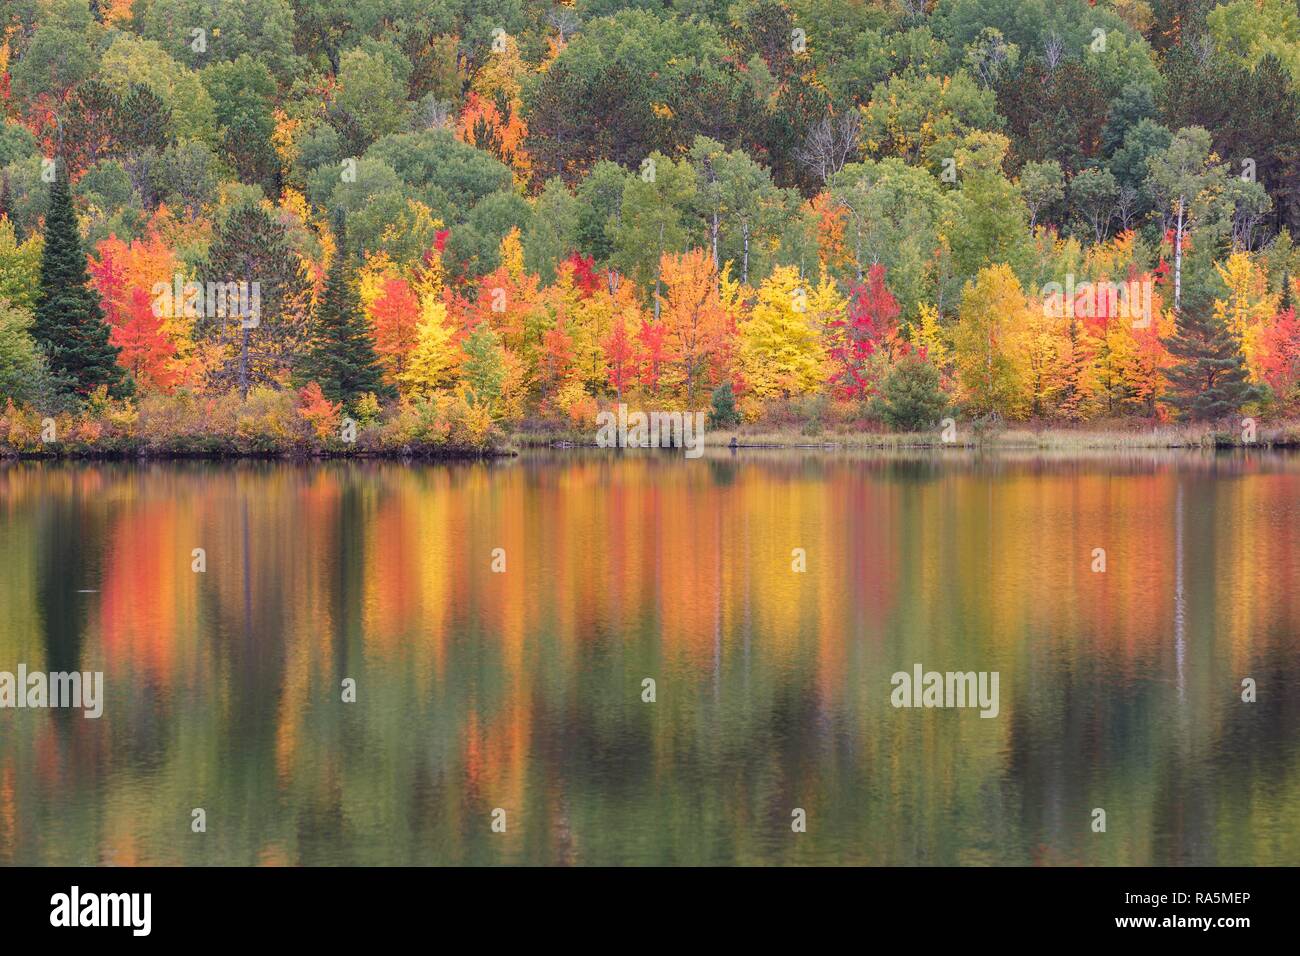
column 70, row 326
column 244, row 94
column 371, row 99
column 923, row 119
column 553, row 229
column 893, row 213
column 1042, row 185
column 910, row 398
column 342, row 357
column 655, row 218
column 600, row 200
column 740, row 206
column 722, row 410
column 477, row 243
column 131, row 62
column 263, row 29
column 251, row 247
column 60, row 53
column 20, row 360
column 484, row 369
column 20, row 267
column 1178, row 177
column 1209, row 380
column 1094, row 193
column 989, row 221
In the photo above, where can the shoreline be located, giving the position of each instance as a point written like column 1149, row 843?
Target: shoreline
column 1280, row 437
column 287, row 455
column 1284, row 435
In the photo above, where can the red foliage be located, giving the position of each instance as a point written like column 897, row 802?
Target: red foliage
column 585, row 277
column 145, row 349
column 1279, row 354
column 109, row 277
column 395, row 316
column 557, row 357
column 319, row 411
column 871, row 323
column 653, row 354
column 620, row 358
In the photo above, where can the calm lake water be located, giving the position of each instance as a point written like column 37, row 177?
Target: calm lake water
column 522, row 690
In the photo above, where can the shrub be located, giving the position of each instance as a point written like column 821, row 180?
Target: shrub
column 723, row 413
column 910, row 398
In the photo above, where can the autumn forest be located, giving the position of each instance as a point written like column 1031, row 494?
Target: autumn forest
column 282, row 226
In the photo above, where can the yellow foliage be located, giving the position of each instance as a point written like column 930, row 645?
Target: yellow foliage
column 990, row 326
column 781, row 350
column 434, row 361
column 512, row 255
column 928, row 334
column 1248, row 305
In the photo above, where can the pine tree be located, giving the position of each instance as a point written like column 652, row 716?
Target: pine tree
column 69, row 324
column 723, row 412
column 1209, row 378
column 255, row 349
column 342, row 356
column 144, row 121
column 910, row 397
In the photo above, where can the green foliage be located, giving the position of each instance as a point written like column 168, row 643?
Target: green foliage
column 449, row 176
column 655, row 217
column 1209, row 380
column 483, row 369
column 475, row 245
column 371, row 99
column 60, row 53
column 262, row 29
column 20, row 267
column 251, row 247
column 1043, row 186
column 20, row 360
column 552, row 231
column 342, row 357
column 722, row 409
column 893, row 215
column 910, row 397
column 130, row 63
column 69, row 325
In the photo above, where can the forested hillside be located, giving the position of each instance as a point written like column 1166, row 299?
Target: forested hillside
column 249, row 224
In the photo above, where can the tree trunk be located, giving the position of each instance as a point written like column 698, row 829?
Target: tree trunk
column 243, row 366
column 744, row 271
column 715, row 240
column 1178, row 260
column 659, row 262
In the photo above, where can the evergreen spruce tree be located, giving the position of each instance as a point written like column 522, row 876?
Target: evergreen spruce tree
column 723, row 412
column 341, row 358
column 69, row 324
column 1209, row 379
column 911, row 398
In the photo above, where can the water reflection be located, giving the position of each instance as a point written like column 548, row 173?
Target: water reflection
column 523, row 690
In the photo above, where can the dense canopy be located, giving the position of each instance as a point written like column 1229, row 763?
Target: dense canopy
column 454, row 214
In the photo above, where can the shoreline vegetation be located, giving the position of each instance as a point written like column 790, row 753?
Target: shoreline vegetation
column 285, row 425
column 270, row 423
column 1017, row 436
column 1064, row 230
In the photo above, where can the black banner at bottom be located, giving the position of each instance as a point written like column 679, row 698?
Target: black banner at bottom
column 499, row 905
